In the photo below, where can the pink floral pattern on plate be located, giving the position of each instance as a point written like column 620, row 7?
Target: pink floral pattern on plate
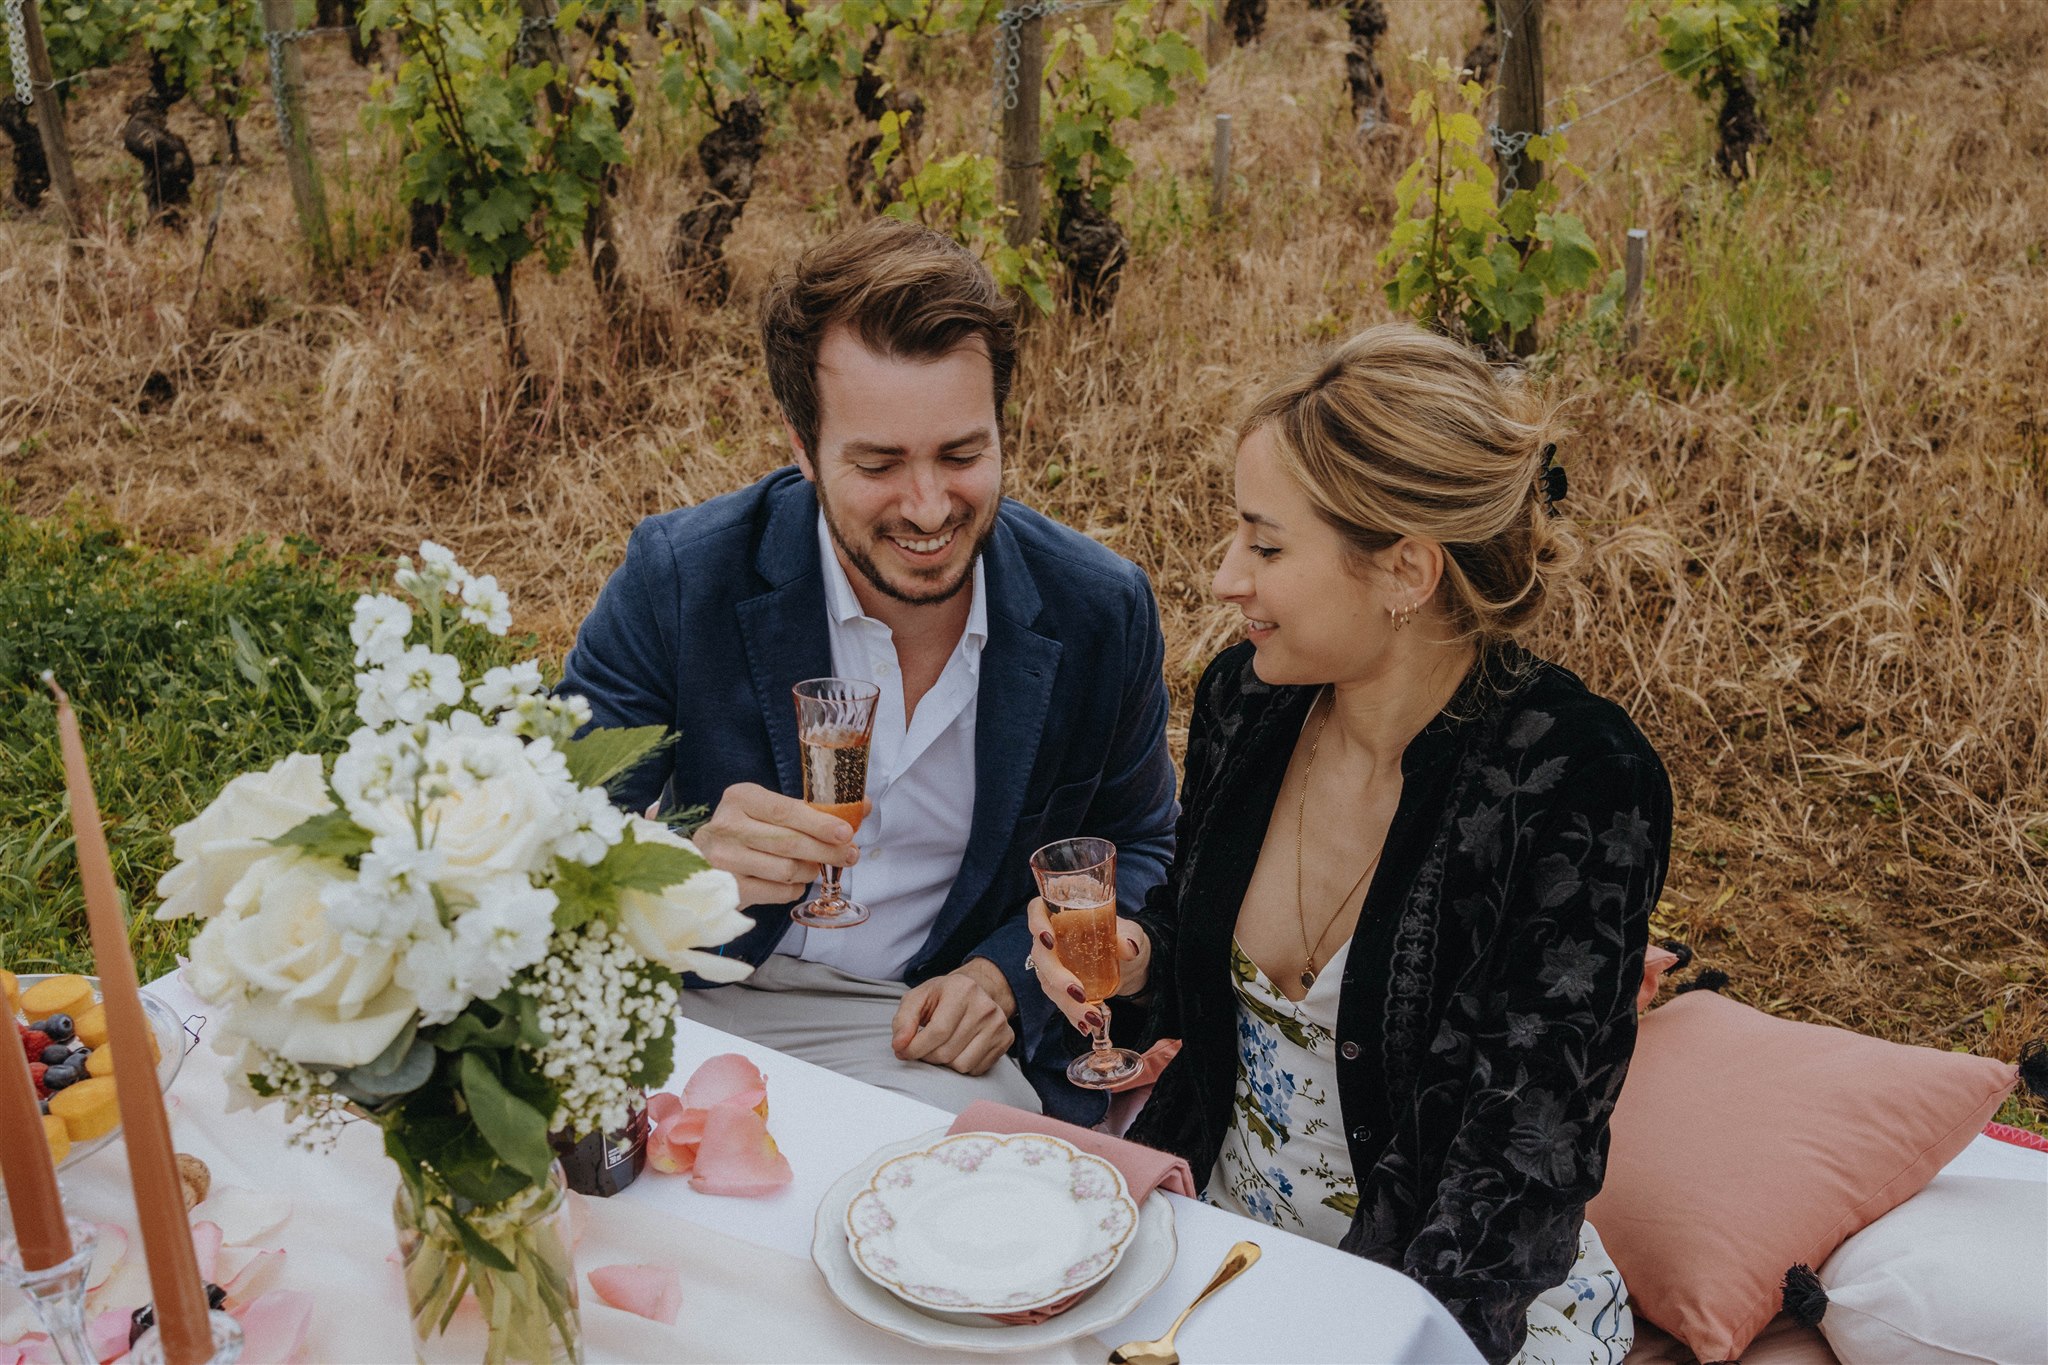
column 990, row 1223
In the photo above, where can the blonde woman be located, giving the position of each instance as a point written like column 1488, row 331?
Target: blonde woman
column 1403, row 932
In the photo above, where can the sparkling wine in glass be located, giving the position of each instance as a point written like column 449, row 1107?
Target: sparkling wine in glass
column 835, row 717
column 1077, row 879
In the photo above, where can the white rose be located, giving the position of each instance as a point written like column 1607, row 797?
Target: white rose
column 290, row 985
column 217, row 846
column 489, row 805
column 671, row 925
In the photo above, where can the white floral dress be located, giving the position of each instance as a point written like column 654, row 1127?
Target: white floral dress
column 1285, row 1161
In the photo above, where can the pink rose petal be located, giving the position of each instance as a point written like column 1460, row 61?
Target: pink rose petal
column 663, row 1104
column 727, row 1079
column 25, row 1351
column 206, row 1240
column 108, row 1252
column 274, row 1326
column 653, row 1291
column 672, row 1142
column 108, row 1334
column 249, row 1274
column 244, row 1216
column 737, row 1156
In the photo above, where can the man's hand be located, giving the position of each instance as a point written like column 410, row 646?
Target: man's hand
column 1134, row 958
column 772, row 844
column 960, row 1020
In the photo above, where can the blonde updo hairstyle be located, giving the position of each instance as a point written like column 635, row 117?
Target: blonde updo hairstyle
column 1399, row 432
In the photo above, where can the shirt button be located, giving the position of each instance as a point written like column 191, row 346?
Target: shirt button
column 1361, row 1134
column 1349, row 1051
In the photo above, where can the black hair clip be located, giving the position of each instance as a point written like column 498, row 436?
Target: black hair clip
column 1551, row 482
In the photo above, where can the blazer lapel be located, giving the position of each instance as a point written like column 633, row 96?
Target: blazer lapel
column 783, row 629
column 1018, row 666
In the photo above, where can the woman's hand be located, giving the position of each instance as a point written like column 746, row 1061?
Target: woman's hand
column 1134, row 953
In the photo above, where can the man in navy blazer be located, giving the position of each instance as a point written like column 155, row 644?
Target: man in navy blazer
column 1020, row 665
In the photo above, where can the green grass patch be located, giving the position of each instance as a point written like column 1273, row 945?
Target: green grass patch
column 186, row 670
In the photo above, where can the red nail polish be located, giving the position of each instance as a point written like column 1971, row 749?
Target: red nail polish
column 1091, row 1021
column 1078, row 994
column 1045, row 937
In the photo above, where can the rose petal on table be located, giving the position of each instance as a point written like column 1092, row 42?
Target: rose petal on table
column 672, row 1142
column 248, row 1274
column 654, row 1292
column 206, row 1240
column 110, row 1250
column 274, row 1325
column 244, row 1216
column 33, row 1349
column 107, row 1333
column 727, row 1078
column 737, row 1156
column 18, row 1324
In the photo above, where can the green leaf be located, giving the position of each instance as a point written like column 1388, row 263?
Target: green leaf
column 599, row 757
column 474, row 1244
column 330, row 834
column 517, row 1131
column 471, row 1029
column 649, row 867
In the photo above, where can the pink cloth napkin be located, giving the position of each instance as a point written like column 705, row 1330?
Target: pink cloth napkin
column 1144, row 1170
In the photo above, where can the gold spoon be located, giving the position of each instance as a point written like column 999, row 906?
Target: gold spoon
column 1161, row 1352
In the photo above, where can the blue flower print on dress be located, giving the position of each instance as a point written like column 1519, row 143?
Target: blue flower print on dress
column 1271, row 1088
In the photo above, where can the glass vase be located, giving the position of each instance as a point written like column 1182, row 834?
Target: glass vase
column 465, row 1308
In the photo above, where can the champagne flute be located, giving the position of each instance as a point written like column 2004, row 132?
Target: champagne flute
column 835, row 718
column 1077, row 879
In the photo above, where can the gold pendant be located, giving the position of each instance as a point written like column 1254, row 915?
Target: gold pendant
column 1308, row 978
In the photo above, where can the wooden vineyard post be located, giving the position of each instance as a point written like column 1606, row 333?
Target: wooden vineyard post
column 1219, row 169
column 1632, row 286
column 295, row 130
column 1020, row 76
column 1519, row 115
column 49, row 116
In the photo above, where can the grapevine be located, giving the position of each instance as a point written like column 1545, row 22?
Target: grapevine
column 1094, row 87
column 514, row 148
column 1722, row 48
column 83, row 36
column 1461, row 263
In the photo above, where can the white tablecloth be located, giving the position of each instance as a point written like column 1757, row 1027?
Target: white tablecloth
column 750, row 1291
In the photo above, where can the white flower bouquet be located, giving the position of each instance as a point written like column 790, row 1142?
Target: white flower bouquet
column 453, row 931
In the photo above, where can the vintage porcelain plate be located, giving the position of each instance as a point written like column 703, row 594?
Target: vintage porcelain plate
column 991, row 1223
column 1147, row 1257
column 171, row 1042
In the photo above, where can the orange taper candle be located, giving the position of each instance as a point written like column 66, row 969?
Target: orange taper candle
column 39, row 1227
column 152, row 1166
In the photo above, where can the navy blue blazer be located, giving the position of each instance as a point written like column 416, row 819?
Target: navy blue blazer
column 719, row 609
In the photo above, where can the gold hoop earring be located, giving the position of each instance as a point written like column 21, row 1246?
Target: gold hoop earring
column 1401, row 616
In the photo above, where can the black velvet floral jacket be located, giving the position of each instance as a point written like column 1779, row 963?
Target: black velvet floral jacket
column 1487, row 1010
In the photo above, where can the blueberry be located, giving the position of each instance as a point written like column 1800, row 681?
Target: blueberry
column 43, row 1105
column 59, row 1027
column 57, row 1077
column 39, row 1025
column 56, row 1054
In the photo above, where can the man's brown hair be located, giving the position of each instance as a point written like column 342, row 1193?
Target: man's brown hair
column 904, row 290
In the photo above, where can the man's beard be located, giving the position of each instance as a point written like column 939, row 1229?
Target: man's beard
column 865, row 564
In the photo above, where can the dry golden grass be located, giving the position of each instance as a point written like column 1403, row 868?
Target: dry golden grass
column 1814, row 495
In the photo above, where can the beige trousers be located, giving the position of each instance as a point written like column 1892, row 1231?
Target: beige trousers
column 842, row 1023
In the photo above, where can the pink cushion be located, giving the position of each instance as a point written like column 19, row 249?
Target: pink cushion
column 1743, row 1145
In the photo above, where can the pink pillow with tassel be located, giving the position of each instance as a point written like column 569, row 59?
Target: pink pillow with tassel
column 1745, row 1149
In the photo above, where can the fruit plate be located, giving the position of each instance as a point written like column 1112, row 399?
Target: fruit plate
column 171, row 1042
column 1148, row 1258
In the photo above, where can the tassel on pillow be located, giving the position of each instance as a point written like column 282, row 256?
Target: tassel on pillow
column 2034, row 1068
column 1683, row 952
column 1806, row 1298
column 1709, row 979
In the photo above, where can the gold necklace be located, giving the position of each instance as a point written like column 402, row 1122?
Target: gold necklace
column 1308, row 952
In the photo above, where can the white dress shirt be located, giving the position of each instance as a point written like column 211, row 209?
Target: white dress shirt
column 920, row 781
